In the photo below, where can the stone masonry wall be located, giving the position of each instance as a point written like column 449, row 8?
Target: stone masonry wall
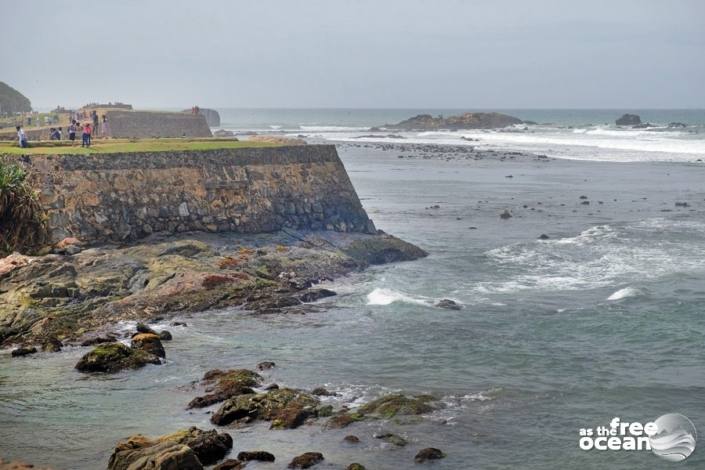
column 116, row 197
column 145, row 124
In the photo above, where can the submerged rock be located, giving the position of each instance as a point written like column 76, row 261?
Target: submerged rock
column 18, row 465
column 448, row 304
column 23, row 351
column 316, row 294
column 165, row 335
column 259, row 455
column 230, row 464
column 429, row 453
column 355, row 466
column 306, row 460
column 222, row 385
column 505, row 215
column 392, row 438
column 265, row 365
column 351, row 439
column 52, row 344
column 188, row 449
column 113, row 357
column 343, row 419
column 389, row 406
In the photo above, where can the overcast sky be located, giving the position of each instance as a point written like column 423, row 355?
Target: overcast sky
column 357, row 53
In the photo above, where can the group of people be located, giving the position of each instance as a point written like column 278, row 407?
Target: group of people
column 88, row 130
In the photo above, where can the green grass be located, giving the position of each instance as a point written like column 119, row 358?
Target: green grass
column 126, row 146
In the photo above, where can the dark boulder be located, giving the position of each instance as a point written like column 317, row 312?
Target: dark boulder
column 99, row 340
column 676, row 124
column 306, row 460
column 391, row 438
column 222, row 385
column 628, row 120
column 265, row 365
column 316, row 294
column 165, row 335
column 351, row 439
column 148, row 342
column 142, row 328
column 258, row 455
column 429, row 453
column 230, row 464
column 23, row 351
column 448, row 304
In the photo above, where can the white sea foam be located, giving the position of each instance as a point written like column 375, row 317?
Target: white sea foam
column 594, row 143
column 624, row 293
column 383, row 296
column 334, row 128
column 600, row 256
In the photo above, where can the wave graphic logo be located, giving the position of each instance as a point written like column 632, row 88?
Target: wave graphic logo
column 675, row 437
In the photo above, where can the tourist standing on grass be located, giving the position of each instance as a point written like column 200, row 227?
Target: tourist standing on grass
column 72, row 131
column 86, row 142
column 104, row 129
column 21, row 137
column 94, row 115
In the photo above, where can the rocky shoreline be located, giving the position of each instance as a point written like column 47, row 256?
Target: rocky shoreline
column 77, row 294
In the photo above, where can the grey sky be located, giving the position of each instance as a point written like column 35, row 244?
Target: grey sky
column 357, row 53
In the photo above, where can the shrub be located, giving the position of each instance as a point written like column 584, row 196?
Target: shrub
column 23, row 224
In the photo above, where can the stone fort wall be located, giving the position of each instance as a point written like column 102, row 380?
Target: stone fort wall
column 146, row 124
column 121, row 197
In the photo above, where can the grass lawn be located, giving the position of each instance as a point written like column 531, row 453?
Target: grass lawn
column 127, row 145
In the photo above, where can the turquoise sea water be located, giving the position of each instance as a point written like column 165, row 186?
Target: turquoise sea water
column 602, row 320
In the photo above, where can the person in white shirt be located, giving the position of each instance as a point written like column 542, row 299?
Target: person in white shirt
column 21, row 137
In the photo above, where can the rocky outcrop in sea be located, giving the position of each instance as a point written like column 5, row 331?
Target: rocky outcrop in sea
column 426, row 122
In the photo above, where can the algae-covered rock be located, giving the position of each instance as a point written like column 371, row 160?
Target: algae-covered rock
column 285, row 408
column 306, row 460
column 222, row 385
column 188, row 449
column 355, row 466
column 148, row 342
column 113, row 357
column 383, row 249
column 392, row 438
column 343, row 419
column 389, row 406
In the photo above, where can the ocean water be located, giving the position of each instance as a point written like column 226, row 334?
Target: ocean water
column 603, row 319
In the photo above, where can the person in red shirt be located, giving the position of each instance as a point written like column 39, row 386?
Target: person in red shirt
column 86, row 135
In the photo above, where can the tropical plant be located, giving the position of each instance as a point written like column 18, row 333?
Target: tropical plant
column 23, row 225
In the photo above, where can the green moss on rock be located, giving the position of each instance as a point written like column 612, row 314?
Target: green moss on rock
column 113, row 357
